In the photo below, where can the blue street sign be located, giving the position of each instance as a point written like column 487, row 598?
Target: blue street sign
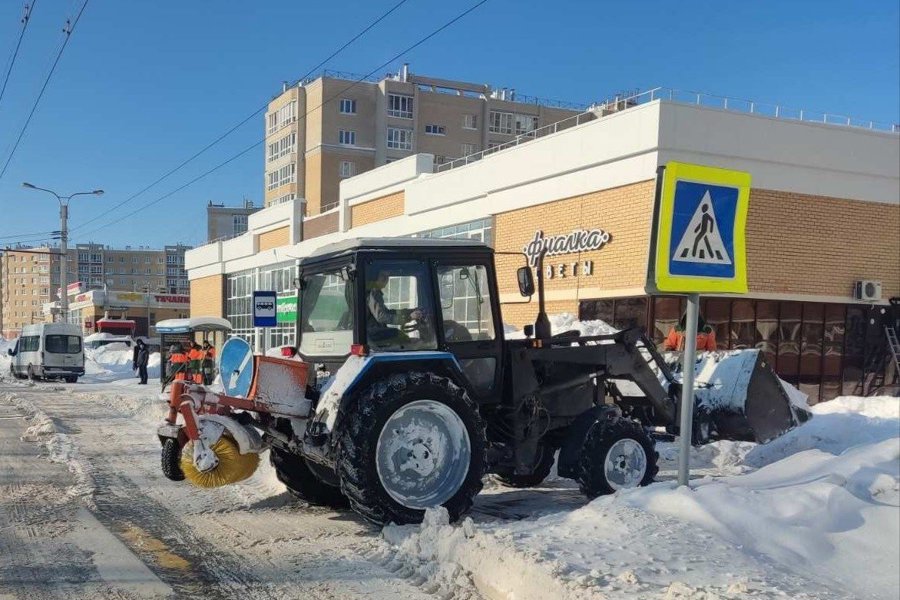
column 265, row 309
column 236, row 367
column 701, row 243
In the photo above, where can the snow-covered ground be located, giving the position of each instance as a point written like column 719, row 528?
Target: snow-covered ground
column 813, row 514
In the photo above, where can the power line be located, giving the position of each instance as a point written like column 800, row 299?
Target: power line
column 323, row 103
column 245, row 120
column 68, row 29
column 36, row 235
column 25, row 20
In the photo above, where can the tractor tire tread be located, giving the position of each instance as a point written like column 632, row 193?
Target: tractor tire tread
column 301, row 483
column 171, row 460
column 359, row 435
column 541, row 472
column 599, row 440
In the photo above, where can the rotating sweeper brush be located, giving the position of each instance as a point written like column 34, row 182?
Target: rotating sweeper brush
column 223, row 463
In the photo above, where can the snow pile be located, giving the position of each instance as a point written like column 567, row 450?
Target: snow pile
column 819, row 519
column 563, row 322
column 113, row 362
column 60, row 446
column 4, row 357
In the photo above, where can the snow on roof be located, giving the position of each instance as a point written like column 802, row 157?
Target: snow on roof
column 193, row 324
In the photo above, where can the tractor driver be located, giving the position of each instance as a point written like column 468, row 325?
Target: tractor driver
column 380, row 317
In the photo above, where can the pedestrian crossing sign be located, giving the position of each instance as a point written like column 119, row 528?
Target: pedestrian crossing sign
column 700, row 243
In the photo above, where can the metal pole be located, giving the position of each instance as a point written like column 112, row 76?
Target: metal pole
column 687, row 388
column 63, row 267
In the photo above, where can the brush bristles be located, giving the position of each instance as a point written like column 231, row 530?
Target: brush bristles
column 233, row 466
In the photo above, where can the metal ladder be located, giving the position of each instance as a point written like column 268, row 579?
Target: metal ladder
column 894, row 347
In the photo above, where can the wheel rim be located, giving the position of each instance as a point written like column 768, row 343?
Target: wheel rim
column 625, row 464
column 423, row 454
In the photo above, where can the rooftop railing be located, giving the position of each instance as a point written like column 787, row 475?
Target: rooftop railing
column 624, row 102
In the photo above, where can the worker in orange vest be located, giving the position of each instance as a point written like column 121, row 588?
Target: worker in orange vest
column 208, row 366
column 706, row 336
column 177, row 363
column 195, row 358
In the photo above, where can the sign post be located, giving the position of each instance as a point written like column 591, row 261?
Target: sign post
column 699, row 245
column 265, row 314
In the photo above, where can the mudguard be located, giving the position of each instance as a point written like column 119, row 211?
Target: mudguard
column 358, row 371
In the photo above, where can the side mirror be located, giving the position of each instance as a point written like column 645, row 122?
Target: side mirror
column 528, row 331
column 526, row 281
column 10, row 352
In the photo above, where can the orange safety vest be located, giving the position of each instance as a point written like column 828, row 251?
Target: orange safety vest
column 195, row 354
column 706, row 340
column 179, row 358
column 209, row 353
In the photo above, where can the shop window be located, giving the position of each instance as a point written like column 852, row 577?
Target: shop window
column 832, row 350
column 630, row 312
column 811, row 350
column 766, row 338
column 787, row 362
column 715, row 312
column 591, row 310
column 667, row 311
column 854, row 347
column 742, row 328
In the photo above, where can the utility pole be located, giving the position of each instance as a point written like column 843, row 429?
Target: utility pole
column 63, row 243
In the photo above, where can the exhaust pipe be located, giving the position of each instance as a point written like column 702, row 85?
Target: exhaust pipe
column 542, row 329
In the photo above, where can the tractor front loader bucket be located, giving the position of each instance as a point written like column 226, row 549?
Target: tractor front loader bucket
column 743, row 398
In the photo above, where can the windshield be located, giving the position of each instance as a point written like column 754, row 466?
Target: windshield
column 63, row 344
column 327, row 316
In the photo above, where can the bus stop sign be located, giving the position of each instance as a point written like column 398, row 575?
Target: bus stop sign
column 700, row 243
column 265, row 309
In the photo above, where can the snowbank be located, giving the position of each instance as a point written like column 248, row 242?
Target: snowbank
column 820, row 518
column 112, row 362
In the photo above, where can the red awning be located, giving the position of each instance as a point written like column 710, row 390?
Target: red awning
column 116, row 323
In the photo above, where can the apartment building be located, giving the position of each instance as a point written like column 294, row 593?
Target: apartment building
column 225, row 222
column 331, row 128
column 29, row 277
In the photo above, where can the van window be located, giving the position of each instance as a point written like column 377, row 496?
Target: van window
column 63, row 344
column 30, row 343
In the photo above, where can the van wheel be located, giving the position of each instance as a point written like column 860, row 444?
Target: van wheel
column 71, row 378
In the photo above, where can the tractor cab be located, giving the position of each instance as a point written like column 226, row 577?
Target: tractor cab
column 373, row 296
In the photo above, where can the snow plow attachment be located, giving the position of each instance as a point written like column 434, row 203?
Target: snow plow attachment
column 739, row 397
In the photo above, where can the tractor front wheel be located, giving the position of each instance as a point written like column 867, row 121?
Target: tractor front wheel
column 302, row 483
column 617, row 454
column 412, row 441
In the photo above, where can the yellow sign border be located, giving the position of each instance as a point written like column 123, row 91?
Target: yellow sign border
column 675, row 172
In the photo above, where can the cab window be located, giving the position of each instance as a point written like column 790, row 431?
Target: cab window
column 465, row 303
column 398, row 308
column 327, row 318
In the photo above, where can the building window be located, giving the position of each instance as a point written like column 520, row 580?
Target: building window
column 346, row 137
column 239, row 224
column 283, row 199
column 400, row 106
column 284, row 115
column 348, row 106
column 501, row 122
column 348, row 168
column 435, row 130
column 525, row 124
column 399, row 139
column 284, row 175
column 470, row 121
column 282, row 147
column 468, row 149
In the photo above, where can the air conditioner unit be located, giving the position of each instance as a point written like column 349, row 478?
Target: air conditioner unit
column 867, row 290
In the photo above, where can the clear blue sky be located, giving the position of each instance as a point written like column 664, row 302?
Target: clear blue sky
column 143, row 85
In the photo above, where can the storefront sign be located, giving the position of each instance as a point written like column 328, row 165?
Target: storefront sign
column 287, row 310
column 129, row 297
column 173, row 299
column 575, row 269
column 580, row 240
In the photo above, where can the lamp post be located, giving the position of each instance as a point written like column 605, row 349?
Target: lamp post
column 63, row 243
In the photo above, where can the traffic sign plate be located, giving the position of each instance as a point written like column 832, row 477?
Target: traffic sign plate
column 265, row 309
column 700, row 243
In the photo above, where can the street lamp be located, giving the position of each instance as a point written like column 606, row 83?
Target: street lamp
column 63, row 242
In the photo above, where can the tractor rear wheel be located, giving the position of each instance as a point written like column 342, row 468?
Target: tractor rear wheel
column 302, row 483
column 171, row 460
column 412, row 441
column 617, row 454
column 541, row 471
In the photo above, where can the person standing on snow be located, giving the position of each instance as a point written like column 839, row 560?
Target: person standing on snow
column 208, row 365
column 139, row 360
column 706, row 336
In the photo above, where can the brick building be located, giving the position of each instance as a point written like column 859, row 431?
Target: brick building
column 824, row 214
